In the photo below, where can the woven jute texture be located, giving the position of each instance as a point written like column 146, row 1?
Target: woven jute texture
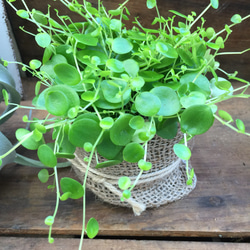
column 164, row 183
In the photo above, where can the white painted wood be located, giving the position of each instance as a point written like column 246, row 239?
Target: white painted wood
column 8, row 50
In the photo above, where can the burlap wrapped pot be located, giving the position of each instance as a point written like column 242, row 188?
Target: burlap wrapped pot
column 164, row 183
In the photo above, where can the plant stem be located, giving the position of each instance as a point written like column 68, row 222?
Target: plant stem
column 202, row 13
column 84, row 187
column 185, row 142
column 57, row 198
column 223, row 30
column 136, row 180
column 229, row 125
column 9, row 112
column 233, row 53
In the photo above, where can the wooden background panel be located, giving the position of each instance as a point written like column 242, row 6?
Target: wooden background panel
column 239, row 40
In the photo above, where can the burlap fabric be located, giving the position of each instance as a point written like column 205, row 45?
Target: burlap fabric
column 164, row 183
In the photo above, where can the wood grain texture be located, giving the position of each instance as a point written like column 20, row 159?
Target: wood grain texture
column 239, row 39
column 10, row 243
column 218, row 207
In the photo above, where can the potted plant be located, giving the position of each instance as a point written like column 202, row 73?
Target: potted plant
column 111, row 91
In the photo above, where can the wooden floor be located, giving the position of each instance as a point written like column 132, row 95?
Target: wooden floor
column 216, row 215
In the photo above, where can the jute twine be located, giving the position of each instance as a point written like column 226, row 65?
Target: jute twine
column 164, row 183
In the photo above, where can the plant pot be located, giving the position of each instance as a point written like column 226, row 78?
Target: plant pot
column 164, row 183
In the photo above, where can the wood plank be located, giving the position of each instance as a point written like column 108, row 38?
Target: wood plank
column 218, row 207
column 9, row 243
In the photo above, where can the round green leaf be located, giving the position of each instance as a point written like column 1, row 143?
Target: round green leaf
column 48, row 67
column 59, row 99
column 86, row 39
column 214, row 46
column 43, row 175
column 51, row 240
column 137, row 122
column 49, row 220
column 121, row 133
column 69, row 185
column 37, row 135
column 133, row 152
column 147, row 132
column 150, row 76
column 113, row 90
column 124, row 182
column 225, row 115
column 126, row 194
column 81, row 55
column 67, row 73
column 194, row 98
column 201, row 81
column 220, row 42
column 166, row 49
column 65, row 196
column 91, row 116
column 23, row 14
column 79, row 132
column 182, row 151
column 106, row 123
column 186, row 56
column 115, row 12
column 220, row 86
column 43, row 39
column 115, row 25
column 240, row 125
column 137, row 83
column 104, row 104
column 30, row 142
column 72, row 112
column 92, row 228
column 39, row 17
column 136, row 35
column 215, row 3
column 121, row 46
column 228, row 30
column 47, row 156
column 56, row 102
column 144, row 165
column 131, row 67
column 35, row 64
column 170, row 103
column 167, row 128
column 223, row 84
column 115, row 65
column 210, row 32
column 146, row 107
column 89, row 96
column 197, row 119
column 88, row 147
column 236, row 18
column 151, row 4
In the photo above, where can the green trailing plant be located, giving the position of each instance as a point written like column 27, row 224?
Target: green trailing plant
column 12, row 98
column 110, row 90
